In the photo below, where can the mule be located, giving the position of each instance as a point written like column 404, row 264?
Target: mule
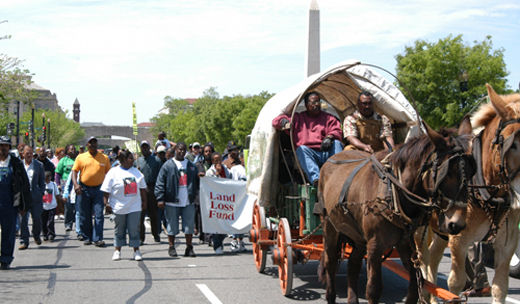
column 499, row 166
column 431, row 166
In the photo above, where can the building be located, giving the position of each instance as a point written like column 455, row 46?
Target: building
column 45, row 99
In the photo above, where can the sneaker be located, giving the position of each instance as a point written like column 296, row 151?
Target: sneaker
column 45, row 238
column 52, row 237
column 172, row 252
column 116, row 256
column 138, row 256
column 99, row 243
column 189, row 252
column 37, row 240
column 234, row 246
column 68, row 228
column 80, row 238
column 242, row 246
column 23, row 246
column 61, row 217
column 87, row 242
column 219, row 250
column 157, row 239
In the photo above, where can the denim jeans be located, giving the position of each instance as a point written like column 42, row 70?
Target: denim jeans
column 8, row 217
column 36, row 216
column 78, row 219
column 91, row 202
column 151, row 210
column 311, row 160
column 127, row 222
column 172, row 217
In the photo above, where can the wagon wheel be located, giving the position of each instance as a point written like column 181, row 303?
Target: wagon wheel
column 285, row 265
column 259, row 253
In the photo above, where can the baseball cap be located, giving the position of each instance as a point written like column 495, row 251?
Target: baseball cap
column 196, row 144
column 145, row 142
column 91, row 138
column 5, row 140
column 231, row 145
column 161, row 148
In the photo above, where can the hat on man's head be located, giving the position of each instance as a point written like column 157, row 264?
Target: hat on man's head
column 5, row 140
column 231, row 145
column 161, row 148
column 91, row 138
column 196, row 144
column 145, row 142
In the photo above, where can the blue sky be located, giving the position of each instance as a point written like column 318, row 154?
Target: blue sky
column 110, row 53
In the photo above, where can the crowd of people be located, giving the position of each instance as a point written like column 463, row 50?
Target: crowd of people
column 158, row 187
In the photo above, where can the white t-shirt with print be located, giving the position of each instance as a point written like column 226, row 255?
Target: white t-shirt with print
column 182, row 189
column 49, row 196
column 123, row 186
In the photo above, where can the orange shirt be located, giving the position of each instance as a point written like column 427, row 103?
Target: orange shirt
column 92, row 169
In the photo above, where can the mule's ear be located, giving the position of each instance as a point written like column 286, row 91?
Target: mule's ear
column 498, row 103
column 438, row 141
column 465, row 126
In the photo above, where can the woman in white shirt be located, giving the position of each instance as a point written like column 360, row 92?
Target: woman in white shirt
column 125, row 193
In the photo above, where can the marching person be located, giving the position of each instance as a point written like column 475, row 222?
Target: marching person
column 49, row 207
column 36, row 176
column 92, row 167
column 15, row 196
column 124, row 193
column 218, row 170
column 63, row 170
column 317, row 135
column 175, row 189
column 150, row 165
column 365, row 129
column 232, row 158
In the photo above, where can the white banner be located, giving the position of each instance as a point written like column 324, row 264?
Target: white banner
column 224, row 206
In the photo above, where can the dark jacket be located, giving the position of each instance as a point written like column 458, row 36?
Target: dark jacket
column 37, row 182
column 22, row 197
column 166, row 187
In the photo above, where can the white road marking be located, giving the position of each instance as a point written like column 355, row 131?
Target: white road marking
column 208, row 294
column 508, row 299
column 191, row 265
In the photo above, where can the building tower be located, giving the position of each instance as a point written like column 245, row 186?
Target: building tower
column 312, row 58
column 75, row 110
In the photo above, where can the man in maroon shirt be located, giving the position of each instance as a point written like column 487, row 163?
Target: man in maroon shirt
column 317, row 135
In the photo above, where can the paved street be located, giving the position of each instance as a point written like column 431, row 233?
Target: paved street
column 66, row 271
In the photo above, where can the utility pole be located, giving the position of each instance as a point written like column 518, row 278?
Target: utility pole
column 32, row 126
column 17, row 123
column 49, row 133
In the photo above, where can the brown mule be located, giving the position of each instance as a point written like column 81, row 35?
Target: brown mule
column 430, row 166
column 490, row 215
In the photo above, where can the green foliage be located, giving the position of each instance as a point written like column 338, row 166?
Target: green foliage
column 13, row 80
column 435, row 74
column 211, row 118
column 63, row 131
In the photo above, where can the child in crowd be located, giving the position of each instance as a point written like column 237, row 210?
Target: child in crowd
column 218, row 169
column 49, row 207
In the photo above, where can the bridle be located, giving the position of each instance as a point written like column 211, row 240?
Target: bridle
column 440, row 168
column 503, row 147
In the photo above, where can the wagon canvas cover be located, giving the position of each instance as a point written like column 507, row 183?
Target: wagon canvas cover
column 339, row 85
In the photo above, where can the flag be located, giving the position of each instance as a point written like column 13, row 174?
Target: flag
column 135, row 119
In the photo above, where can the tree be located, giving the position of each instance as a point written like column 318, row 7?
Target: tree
column 13, row 82
column 211, row 118
column 447, row 78
column 62, row 131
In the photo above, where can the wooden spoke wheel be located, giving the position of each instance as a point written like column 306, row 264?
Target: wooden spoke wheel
column 259, row 253
column 285, row 263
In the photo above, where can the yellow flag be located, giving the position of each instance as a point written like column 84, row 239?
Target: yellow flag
column 135, row 119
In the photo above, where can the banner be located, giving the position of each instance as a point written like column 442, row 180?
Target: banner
column 224, row 206
column 134, row 119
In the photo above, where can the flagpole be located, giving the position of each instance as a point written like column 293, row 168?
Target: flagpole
column 135, row 128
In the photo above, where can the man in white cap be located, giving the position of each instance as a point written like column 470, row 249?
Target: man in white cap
column 92, row 166
column 195, row 156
